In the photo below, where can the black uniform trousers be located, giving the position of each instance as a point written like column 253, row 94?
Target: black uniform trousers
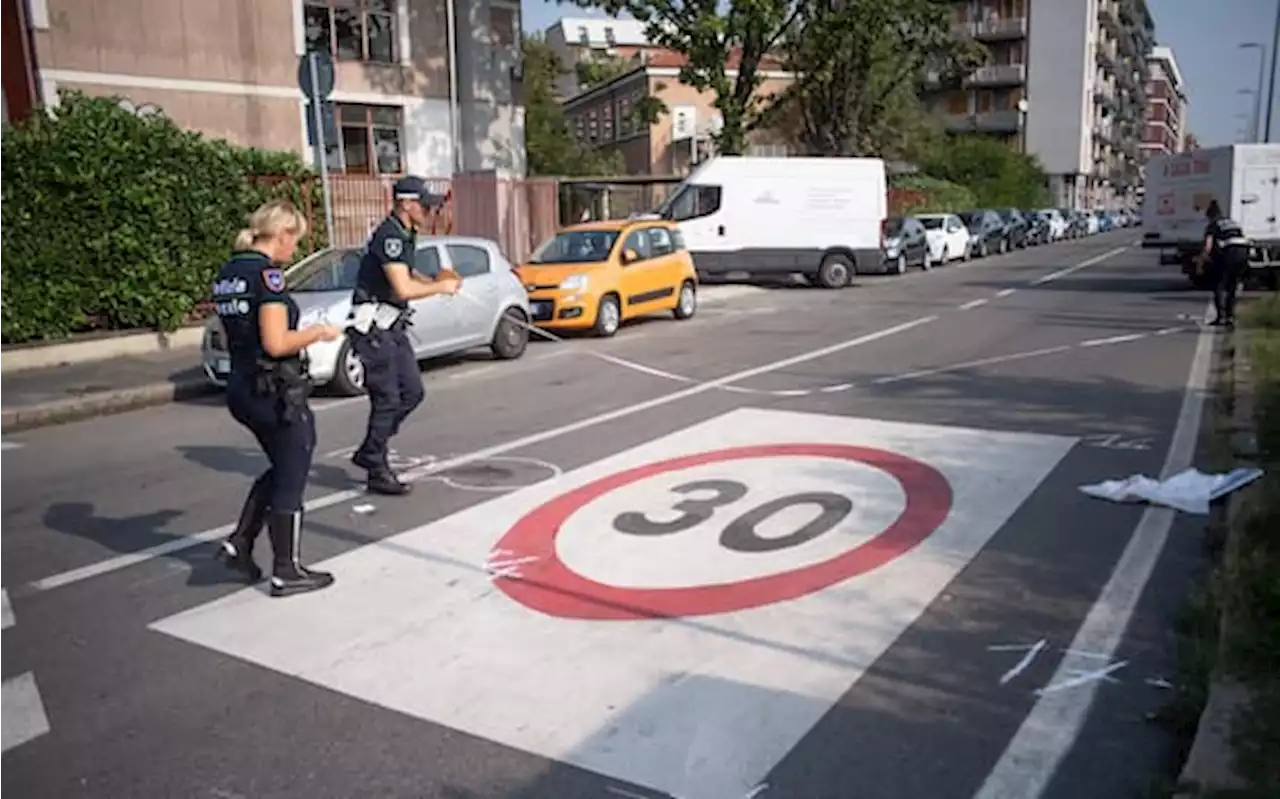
column 1229, row 266
column 288, row 446
column 394, row 383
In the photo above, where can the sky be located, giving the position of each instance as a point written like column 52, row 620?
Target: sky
column 1205, row 36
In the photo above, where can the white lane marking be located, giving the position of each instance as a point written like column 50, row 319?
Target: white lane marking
column 24, row 718
column 319, row 503
column 971, row 304
column 1052, row 276
column 1017, row 356
column 1080, row 677
column 1005, row 293
column 1047, row 733
column 1099, row 342
column 1025, row 662
column 8, row 445
column 1166, row 331
column 6, row 610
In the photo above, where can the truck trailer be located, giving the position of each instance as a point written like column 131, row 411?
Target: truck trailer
column 1243, row 178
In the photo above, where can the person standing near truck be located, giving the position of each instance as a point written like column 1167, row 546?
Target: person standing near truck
column 1227, row 250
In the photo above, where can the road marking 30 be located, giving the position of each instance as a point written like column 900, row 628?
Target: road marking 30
column 23, row 718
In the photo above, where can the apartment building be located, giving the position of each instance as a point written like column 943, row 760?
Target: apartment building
column 1064, row 83
column 578, row 39
column 228, row 68
column 606, row 116
column 1166, row 105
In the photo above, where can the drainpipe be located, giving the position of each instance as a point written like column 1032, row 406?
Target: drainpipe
column 451, row 24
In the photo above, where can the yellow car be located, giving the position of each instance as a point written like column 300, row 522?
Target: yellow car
column 597, row 275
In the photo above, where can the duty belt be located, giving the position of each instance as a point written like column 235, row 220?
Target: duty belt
column 368, row 316
column 289, row 382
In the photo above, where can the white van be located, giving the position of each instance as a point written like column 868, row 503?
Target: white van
column 819, row 217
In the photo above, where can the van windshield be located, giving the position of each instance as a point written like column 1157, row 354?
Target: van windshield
column 932, row 222
column 575, row 247
column 690, row 202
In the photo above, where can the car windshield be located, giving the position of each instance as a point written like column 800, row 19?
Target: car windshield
column 893, row 226
column 972, row 220
column 329, row 270
column 932, row 222
column 576, row 247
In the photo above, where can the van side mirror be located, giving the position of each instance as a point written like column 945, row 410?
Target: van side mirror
column 630, row 256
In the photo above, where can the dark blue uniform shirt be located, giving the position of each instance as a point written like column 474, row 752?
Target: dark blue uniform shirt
column 1226, row 233
column 244, row 284
column 390, row 243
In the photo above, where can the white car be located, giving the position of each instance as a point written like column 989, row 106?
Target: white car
column 491, row 310
column 948, row 238
column 1057, row 224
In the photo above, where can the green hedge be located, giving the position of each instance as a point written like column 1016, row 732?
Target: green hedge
column 114, row 221
column 941, row 196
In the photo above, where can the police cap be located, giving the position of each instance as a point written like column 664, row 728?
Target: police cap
column 412, row 187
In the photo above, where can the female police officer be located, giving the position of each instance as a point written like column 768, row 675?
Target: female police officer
column 267, row 392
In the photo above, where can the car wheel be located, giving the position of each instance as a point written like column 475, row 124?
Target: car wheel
column 608, row 316
column 687, row 305
column 512, row 336
column 835, row 272
column 946, row 255
column 926, row 260
column 348, row 374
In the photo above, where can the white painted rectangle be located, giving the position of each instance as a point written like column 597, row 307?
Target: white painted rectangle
column 6, row 610
column 22, row 716
column 701, row 706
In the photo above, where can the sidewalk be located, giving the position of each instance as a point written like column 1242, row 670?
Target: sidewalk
column 40, row 397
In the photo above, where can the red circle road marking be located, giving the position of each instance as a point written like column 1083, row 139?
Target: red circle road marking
column 549, row 586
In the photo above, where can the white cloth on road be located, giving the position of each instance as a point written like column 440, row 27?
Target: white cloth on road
column 1189, row 491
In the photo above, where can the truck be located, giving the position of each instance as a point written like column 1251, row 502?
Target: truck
column 1243, row 178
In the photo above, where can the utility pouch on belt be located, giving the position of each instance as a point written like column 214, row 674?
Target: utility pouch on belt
column 288, row 382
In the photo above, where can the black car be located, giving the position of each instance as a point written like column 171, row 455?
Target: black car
column 1038, row 231
column 904, row 243
column 1016, row 227
column 987, row 231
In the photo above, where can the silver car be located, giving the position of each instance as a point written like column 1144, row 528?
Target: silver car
column 490, row 310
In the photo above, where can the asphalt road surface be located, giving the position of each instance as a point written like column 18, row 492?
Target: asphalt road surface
column 809, row 544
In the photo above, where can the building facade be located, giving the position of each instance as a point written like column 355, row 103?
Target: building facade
column 228, row 68
column 575, row 40
column 1166, row 106
column 1065, row 82
column 607, row 116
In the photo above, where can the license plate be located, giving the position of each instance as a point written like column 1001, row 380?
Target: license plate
column 222, row 366
column 539, row 308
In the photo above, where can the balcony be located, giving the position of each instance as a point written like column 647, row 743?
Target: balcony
column 1106, row 98
column 1003, row 121
column 994, row 29
column 998, row 75
column 1106, row 57
column 1108, row 16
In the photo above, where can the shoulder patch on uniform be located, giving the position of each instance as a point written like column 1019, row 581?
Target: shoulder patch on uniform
column 274, row 279
column 392, row 246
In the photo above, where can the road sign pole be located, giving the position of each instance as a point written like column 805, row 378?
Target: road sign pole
column 321, row 152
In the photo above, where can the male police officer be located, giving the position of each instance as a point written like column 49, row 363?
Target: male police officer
column 385, row 285
column 1228, row 250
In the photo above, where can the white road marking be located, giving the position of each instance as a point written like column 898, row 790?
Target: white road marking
column 8, row 445
column 971, row 304
column 1078, row 677
column 24, row 718
column 1005, row 293
column 697, row 704
column 185, row 542
column 1017, row 356
column 1022, row 665
column 1099, row 342
column 1052, row 276
column 6, row 610
column 1047, row 733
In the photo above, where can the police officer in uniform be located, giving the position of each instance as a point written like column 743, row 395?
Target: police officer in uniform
column 1227, row 249
column 267, row 392
column 387, row 282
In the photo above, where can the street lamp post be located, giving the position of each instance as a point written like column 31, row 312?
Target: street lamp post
column 1023, row 105
column 1257, row 92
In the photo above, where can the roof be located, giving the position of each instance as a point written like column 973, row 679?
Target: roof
column 610, row 224
column 662, row 59
column 1163, row 54
column 625, row 31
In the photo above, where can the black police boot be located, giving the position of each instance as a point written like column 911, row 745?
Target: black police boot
column 384, row 481
column 237, row 548
column 368, row 462
column 288, row 575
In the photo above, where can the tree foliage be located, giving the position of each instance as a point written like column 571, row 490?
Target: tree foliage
column 998, row 175
column 549, row 147
column 709, row 33
column 858, row 67
column 599, row 70
column 930, row 195
column 115, row 222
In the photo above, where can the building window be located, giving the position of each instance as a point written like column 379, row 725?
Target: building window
column 372, row 139
column 609, row 38
column 593, row 126
column 626, row 117
column 958, row 103
column 352, row 30
column 502, row 21
column 583, row 36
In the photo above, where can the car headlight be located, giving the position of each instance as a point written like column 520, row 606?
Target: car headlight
column 574, row 283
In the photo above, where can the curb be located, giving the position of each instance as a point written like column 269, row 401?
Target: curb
column 103, row 403
column 1210, row 764
column 24, row 357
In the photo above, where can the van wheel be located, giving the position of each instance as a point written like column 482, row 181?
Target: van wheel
column 835, row 272
column 608, row 316
column 687, row 305
column 512, row 335
column 348, row 375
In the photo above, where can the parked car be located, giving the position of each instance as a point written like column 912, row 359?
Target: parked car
column 947, row 236
column 1105, row 222
column 597, row 275
column 1016, row 227
column 491, row 310
column 1057, row 223
column 986, row 232
column 1037, row 228
column 905, row 244
column 1091, row 224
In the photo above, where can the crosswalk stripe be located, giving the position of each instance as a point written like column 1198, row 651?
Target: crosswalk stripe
column 23, row 718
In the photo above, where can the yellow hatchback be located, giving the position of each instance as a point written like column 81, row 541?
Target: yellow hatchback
column 599, row 274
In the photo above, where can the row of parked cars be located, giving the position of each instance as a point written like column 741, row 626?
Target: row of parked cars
column 927, row 240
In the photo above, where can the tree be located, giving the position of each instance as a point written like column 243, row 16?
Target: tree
column 998, row 175
column 598, row 70
column 550, row 148
column 858, row 67
column 708, row 35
